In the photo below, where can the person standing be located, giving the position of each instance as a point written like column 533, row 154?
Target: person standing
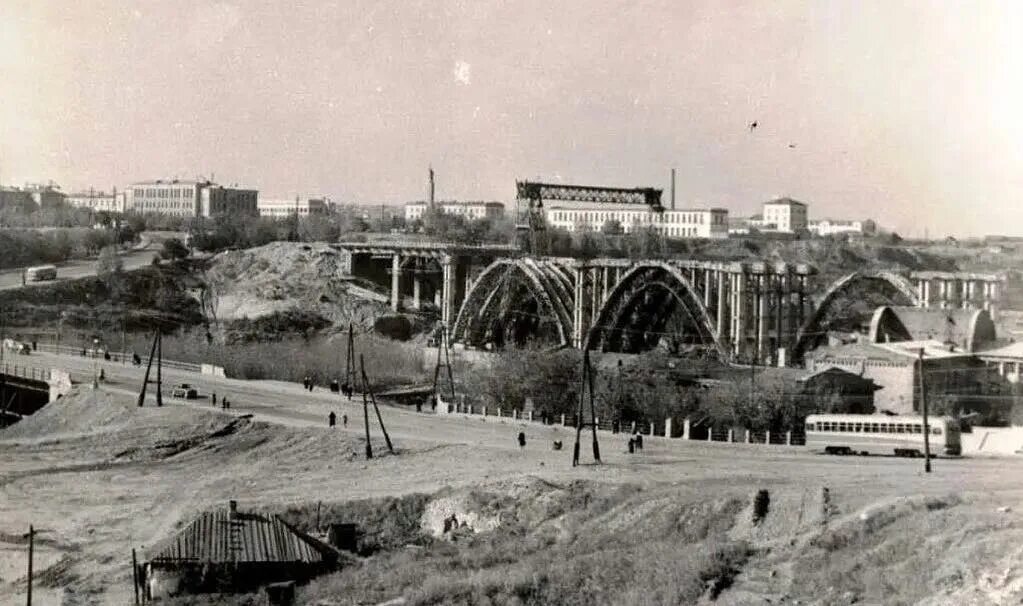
column 522, row 440
column 213, row 398
column 344, row 420
column 332, row 419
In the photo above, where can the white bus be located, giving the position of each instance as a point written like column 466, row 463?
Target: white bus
column 882, row 434
column 41, row 273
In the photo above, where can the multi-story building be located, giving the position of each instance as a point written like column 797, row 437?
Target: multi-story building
column 32, row 197
column 219, row 200
column 278, row 209
column 683, row 223
column 189, row 198
column 785, row 214
column 469, row 210
column 98, row 200
column 831, row 227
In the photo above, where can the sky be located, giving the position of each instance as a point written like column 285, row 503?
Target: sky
column 910, row 113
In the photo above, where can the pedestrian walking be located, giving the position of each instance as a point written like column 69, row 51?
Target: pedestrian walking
column 332, row 419
column 213, row 399
column 632, row 445
column 522, row 440
column 344, row 420
column 639, row 441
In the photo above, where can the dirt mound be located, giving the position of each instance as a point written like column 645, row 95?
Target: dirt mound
column 284, row 276
column 82, row 411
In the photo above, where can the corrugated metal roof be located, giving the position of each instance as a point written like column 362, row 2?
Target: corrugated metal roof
column 217, row 537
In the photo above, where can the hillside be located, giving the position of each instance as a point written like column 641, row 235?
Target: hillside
column 97, row 475
column 287, row 276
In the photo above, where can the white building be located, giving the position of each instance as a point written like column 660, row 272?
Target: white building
column 785, row 215
column 189, row 198
column 98, row 201
column 830, row 227
column 469, row 210
column 684, row 223
column 278, row 209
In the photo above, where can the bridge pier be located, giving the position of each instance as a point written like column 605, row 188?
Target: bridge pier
column 395, row 281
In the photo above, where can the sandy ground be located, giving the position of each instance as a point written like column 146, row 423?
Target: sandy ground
column 98, row 476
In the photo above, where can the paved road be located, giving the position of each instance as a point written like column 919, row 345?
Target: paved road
column 81, row 268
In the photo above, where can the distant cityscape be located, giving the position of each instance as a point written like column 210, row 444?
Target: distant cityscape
column 206, row 198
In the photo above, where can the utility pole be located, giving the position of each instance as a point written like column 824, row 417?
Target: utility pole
column 350, row 361
column 586, row 390
column 31, row 546
column 443, row 347
column 368, row 391
column 923, row 407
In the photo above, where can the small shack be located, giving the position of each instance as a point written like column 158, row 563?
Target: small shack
column 226, row 550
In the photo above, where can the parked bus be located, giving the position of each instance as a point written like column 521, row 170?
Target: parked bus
column 882, row 434
column 41, row 273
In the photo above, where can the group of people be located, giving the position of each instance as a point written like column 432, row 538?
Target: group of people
column 224, row 402
column 344, row 389
column 308, row 383
column 636, row 443
column 332, row 419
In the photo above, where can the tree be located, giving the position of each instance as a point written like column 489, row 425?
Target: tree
column 108, row 269
column 612, row 227
column 173, row 250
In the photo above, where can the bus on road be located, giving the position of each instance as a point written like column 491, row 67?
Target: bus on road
column 882, row 434
column 41, row 273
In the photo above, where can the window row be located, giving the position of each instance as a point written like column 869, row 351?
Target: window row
column 850, row 427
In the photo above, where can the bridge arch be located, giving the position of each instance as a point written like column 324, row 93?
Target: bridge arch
column 514, row 300
column 639, row 309
column 811, row 331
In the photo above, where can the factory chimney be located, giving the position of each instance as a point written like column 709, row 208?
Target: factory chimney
column 673, row 189
column 430, row 190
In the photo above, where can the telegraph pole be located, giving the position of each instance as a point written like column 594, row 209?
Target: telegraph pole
column 923, row 407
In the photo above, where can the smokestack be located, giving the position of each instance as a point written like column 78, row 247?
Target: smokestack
column 430, row 190
column 673, row 189
column 232, row 507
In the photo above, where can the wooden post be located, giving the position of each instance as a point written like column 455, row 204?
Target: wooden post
column 135, row 575
column 145, row 378
column 380, row 419
column 31, row 546
column 159, row 366
column 923, row 406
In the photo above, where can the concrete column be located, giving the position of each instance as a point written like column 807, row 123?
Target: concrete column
column 562, row 420
column 416, row 292
column 994, row 305
column 447, row 291
column 530, row 415
column 604, row 287
column 731, row 435
column 722, row 329
column 802, row 301
column 762, row 317
column 577, row 308
column 686, row 429
column 515, row 413
column 964, row 294
column 741, row 314
column 706, row 288
column 943, row 293
column 667, row 427
column 395, row 282
column 780, row 285
column 633, row 430
column 788, row 438
column 594, row 296
column 767, row 439
column 484, row 411
column 925, row 299
column 920, row 285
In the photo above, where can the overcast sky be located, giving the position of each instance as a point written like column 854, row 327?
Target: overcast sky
column 910, row 113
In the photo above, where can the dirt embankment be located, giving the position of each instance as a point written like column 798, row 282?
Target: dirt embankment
column 286, row 276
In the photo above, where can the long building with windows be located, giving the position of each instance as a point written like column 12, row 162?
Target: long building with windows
column 279, row 209
column 189, row 198
column 469, row 210
column 98, row 200
column 682, row 223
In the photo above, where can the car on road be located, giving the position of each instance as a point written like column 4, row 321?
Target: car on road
column 185, row 391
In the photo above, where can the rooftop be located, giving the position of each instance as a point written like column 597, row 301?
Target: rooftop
column 229, row 536
column 785, row 202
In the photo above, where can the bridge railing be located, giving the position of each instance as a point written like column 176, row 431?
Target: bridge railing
column 26, row 372
column 115, row 356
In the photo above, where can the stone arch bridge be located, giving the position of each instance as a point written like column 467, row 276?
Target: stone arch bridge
column 741, row 310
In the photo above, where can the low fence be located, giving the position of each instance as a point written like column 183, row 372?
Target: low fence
column 118, row 356
column 669, row 428
column 26, row 372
